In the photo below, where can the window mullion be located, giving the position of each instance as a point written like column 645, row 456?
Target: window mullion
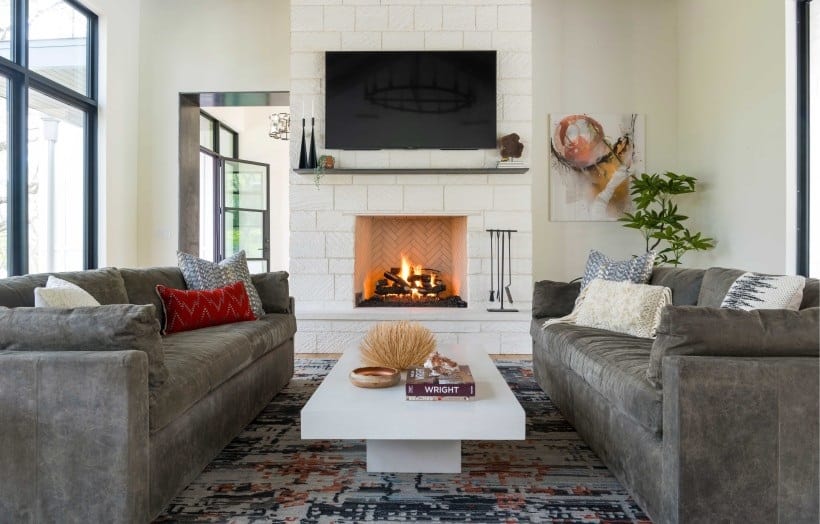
column 91, row 58
column 90, row 193
column 19, row 32
column 803, row 136
column 17, row 232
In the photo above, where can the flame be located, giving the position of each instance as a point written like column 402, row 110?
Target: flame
column 409, row 269
column 405, row 268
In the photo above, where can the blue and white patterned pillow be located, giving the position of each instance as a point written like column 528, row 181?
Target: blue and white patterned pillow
column 204, row 274
column 637, row 270
column 758, row 291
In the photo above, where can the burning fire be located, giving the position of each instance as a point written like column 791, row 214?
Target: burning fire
column 408, row 269
column 405, row 268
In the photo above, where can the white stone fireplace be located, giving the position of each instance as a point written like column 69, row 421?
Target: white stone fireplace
column 326, row 218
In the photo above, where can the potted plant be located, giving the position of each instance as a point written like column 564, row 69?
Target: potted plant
column 324, row 163
column 656, row 216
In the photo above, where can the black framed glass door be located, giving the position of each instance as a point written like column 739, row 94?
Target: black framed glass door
column 245, row 211
column 238, row 217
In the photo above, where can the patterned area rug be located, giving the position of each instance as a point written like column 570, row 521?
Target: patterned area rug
column 267, row 474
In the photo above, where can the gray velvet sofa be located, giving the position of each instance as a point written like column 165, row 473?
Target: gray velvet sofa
column 84, row 437
column 731, row 433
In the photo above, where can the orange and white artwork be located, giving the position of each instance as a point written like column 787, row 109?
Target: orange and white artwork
column 592, row 157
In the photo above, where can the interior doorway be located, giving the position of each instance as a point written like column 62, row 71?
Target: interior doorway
column 234, row 171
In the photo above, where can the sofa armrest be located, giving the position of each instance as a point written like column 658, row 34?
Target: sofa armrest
column 74, row 436
column 554, row 299
column 740, row 439
column 706, row 331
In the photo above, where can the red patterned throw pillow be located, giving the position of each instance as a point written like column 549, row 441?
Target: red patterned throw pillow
column 193, row 309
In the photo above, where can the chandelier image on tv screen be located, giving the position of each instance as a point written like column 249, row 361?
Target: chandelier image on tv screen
column 410, row 100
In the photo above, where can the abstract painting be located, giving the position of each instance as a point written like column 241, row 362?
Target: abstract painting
column 592, row 157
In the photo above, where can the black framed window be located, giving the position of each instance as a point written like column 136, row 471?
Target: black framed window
column 48, row 136
column 217, row 136
column 810, row 183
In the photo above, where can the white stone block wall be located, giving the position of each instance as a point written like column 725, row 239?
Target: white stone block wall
column 322, row 219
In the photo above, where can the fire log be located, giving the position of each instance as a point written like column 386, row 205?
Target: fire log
column 398, row 280
column 391, row 290
column 419, row 278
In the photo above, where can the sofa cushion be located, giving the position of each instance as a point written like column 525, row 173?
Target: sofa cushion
column 189, row 309
column 612, row 364
column 105, row 285
column 140, row 284
column 199, row 361
column 554, row 299
column 267, row 332
column 623, row 307
column 62, row 293
column 113, row 327
column 716, row 282
column 691, row 330
column 273, row 291
column 636, row 269
column 758, row 291
column 204, row 274
column 811, row 294
column 684, row 283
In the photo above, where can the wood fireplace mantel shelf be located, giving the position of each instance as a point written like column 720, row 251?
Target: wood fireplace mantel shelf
column 420, row 171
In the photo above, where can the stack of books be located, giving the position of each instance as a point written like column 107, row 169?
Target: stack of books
column 511, row 163
column 422, row 384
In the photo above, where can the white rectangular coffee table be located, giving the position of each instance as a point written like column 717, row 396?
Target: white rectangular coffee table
column 405, row 436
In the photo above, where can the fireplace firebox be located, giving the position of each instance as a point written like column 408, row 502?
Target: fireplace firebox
column 410, row 261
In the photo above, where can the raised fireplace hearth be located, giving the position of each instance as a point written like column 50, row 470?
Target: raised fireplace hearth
column 410, row 261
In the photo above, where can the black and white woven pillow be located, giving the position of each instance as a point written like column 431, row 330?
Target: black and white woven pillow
column 204, row 274
column 637, row 270
column 758, row 291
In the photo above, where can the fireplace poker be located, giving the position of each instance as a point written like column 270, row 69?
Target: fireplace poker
column 492, row 290
column 509, row 266
column 499, row 240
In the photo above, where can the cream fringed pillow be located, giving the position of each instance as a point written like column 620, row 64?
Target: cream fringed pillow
column 624, row 307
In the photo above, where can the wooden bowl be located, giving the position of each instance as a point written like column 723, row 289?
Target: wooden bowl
column 375, row 377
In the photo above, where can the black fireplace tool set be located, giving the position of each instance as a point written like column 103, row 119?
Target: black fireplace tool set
column 498, row 261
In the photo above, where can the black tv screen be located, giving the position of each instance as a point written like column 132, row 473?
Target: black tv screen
column 410, row 100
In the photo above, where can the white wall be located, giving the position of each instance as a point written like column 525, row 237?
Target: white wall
column 202, row 46
column 733, row 128
column 253, row 125
column 118, row 124
column 607, row 57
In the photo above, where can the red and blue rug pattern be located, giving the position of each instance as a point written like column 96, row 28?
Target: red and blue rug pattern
column 268, row 474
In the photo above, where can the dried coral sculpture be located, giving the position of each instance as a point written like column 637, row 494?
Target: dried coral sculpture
column 399, row 345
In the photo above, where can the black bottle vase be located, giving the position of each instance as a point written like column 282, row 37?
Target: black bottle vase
column 303, row 157
column 312, row 162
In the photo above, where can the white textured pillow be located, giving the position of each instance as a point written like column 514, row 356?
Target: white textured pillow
column 624, row 307
column 62, row 294
column 757, row 291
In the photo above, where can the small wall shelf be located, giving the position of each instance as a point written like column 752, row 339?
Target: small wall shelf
column 421, row 171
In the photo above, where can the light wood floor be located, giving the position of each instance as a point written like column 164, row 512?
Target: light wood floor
column 337, row 355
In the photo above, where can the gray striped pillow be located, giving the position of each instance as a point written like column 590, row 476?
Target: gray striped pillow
column 637, row 270
column 204, row 274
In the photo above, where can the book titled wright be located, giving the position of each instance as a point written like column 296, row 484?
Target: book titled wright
column 423, row 385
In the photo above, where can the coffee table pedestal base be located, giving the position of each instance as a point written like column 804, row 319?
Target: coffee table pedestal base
column 414, row 456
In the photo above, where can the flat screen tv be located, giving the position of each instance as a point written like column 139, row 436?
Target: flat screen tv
column 410, row 100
